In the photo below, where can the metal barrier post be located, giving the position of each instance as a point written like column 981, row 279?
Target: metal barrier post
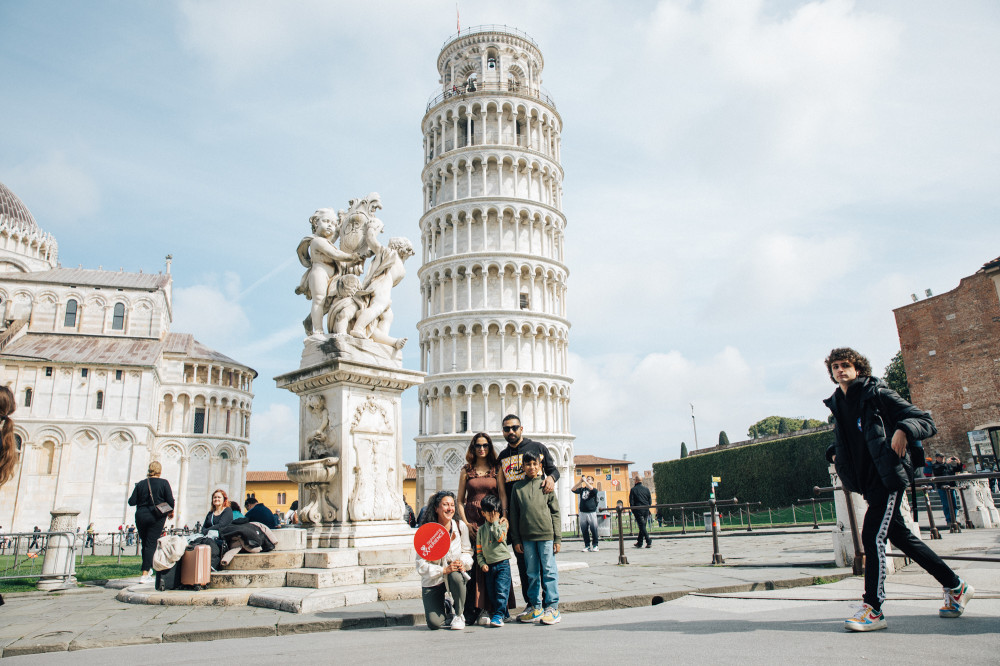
column 965, row 508
column 683, row 522
column 621, row 537
column 858, row 566
column 716, row 555
column 930, row 514
column 815, row 522
column 749, row 521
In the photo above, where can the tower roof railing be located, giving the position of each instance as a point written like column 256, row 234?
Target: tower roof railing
column 480, row 87
column 493, row 27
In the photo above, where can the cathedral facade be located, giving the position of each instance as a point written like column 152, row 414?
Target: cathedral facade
column 103, row 387
column 494, row 333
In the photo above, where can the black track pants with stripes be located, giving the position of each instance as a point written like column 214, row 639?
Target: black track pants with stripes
column 882, row 521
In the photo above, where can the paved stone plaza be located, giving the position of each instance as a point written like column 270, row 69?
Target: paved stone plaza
column 753, row 592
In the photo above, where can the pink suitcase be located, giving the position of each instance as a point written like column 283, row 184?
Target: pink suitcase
column 196, row 566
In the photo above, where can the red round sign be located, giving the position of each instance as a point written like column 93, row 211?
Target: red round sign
column 431, row 541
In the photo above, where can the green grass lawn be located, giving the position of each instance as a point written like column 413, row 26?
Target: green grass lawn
column 100, row 567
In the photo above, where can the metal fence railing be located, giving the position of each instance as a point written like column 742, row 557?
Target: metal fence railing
column 22, row 554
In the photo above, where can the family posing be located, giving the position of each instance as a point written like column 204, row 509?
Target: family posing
column 503, row 501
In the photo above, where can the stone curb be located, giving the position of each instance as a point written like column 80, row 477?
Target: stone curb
column 286, row 626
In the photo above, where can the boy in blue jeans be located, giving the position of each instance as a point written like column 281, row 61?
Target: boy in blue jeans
column 493, row 556
column 535, row 530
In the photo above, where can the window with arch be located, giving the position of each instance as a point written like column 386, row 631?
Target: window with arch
column 223, row 455
column 118, row 321
column 46, row 457
column 100, row 400
column 71, row 308
column 18, row 443
column 27, row 397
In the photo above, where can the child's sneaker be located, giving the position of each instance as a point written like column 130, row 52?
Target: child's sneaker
column 530, row 614
column 496, row 621
column 866, row 619
column 956, row 600
column 458, row 623
column 551, row 616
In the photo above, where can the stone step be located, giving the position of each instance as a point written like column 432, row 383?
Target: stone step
column 330, row 558
column 399, row 590
column 273, row 560
column 388, row 556
column 222, row 580
column 324, row 578
column 289, row 538
column 306, row 600
column 390, row 573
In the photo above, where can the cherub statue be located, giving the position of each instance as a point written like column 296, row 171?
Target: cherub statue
column 342, row 306
column 317, row 443
column 323, row 262
column 384, row 273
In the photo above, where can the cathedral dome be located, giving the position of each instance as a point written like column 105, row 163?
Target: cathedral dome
column 14, row 214
column 24, row 247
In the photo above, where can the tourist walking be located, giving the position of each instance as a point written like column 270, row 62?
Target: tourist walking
column 512, row 468
column 146, row 496
column 640, row 499
column 480, row 477
column 873, row 429
column 447, row 575
column 8, row 445
column 587, row 512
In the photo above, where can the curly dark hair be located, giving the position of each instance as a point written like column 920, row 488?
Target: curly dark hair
column 491, row 454
column 859, row 362
column 431, row 510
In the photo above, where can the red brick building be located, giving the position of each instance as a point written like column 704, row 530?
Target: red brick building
column 951, row 351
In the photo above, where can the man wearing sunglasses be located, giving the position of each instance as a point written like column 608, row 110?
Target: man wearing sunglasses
column 510, row 460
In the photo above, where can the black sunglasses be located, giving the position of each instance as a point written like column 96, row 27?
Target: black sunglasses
column 480, row 446
column 511, row 428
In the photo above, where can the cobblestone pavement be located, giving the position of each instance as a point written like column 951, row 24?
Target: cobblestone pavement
column 755, row 563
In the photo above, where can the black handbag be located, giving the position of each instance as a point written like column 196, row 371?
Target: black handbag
column 163, row 508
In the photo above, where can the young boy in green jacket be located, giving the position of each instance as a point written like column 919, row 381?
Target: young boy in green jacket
column 493, row 557
column 535, row 530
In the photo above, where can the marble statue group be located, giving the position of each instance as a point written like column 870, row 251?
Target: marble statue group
column 354, row 301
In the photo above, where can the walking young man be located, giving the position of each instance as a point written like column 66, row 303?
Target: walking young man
column 587, row 512
column 512, row 466
column 873, row 428
column 640, row 499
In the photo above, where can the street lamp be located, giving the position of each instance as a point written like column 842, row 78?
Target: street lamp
column 695, row 426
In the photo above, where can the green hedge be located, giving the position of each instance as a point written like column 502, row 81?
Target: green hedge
column 775, row 473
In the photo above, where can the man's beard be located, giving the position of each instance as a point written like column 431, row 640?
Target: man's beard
column 512, row 437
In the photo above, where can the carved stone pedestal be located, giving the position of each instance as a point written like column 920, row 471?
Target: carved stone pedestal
column 350, row 424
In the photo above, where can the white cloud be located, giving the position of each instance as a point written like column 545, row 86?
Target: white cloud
column 211, row 311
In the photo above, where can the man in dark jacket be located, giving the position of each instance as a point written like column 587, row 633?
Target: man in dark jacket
column 639, row 498
column 873, row 428
column 512, row 467
column 941, row 468
column 258, row 513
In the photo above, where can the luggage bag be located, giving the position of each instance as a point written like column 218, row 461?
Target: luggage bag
column 168, row 579
column 196, row 566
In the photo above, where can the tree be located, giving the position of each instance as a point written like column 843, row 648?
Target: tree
column 684, row 450
column 775, row 425
column 723, row 439
column 895, row 376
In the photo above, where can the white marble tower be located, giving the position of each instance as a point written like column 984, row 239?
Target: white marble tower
column 494, row 336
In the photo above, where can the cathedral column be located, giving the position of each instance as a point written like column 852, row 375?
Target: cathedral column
column 454, row 352
column 468, row 289
column 517, row 350
column 454, row 289
column 180, row 502
column 468, row 351
column 468, row 133
column 440, row 345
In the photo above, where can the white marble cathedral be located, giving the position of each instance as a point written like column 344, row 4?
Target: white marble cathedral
column 494, row 336
column 103, row 386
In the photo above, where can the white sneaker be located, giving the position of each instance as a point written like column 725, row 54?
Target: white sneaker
column 586, row 549
column 145, row 579
column 458, row 623
column 484, row 620
column 594, row 549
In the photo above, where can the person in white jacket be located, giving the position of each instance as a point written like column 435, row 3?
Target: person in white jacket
column 449, row 573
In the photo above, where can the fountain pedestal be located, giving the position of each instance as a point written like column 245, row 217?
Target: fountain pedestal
column 350, row 469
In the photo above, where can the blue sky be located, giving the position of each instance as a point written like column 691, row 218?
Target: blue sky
column 748, row 183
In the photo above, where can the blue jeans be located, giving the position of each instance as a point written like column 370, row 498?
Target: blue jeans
column 542, row 573
column 498, row 587
column 943, row 493
column 588, row 525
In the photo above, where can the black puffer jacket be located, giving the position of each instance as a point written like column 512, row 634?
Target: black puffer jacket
column 882, row 413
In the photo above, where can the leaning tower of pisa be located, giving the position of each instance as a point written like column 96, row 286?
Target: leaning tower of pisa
column 494, row 335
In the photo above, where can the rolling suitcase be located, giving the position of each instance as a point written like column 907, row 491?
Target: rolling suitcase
column 196, row 566
column 168, row 579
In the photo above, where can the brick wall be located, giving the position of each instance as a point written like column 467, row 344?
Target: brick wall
column 951, row 351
